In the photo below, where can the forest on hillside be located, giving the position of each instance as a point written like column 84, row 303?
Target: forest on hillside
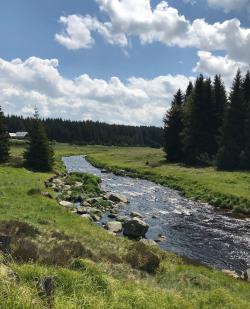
column 91, row 133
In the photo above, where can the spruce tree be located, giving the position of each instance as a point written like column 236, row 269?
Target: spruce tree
column 189, row 91
column 220, row 104
column 4, row 139
column 39, row 154
column 197, row 133
column 245, row 154
column 173, row 126
column 232, row 139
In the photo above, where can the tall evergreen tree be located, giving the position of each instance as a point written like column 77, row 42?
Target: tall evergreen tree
column 246, row 90
column 245, row 153
column 4, row 139
column 173, row 126
column 220, row 104
column 197, row 133
column 189, row 90
column 232, row 139
column 39, row 154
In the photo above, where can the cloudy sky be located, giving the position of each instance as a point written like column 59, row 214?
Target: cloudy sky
column 118, row 61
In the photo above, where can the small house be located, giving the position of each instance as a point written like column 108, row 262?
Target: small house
column 18, row 135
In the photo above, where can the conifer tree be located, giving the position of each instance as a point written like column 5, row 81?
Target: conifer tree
column 232, row 139
column 189, row 90
column 4, row 139
column 39, row 154
column 173, row 126
column 245, row 153
column 197, row 133
column 220, row 104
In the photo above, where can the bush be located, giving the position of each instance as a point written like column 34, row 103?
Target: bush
column 143, row 257
column 26, row 250
column 62, row 253
column 34, row 191
column 17, row 229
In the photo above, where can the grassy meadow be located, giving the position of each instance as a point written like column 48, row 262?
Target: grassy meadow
column 90, row 266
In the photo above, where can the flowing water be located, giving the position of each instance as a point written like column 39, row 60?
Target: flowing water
column 194, row 230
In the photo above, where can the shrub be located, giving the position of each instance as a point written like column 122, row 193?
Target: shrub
column 17, row 229
column 26, row 250
column 34, row 191
column 62, row 253
column 143, row 257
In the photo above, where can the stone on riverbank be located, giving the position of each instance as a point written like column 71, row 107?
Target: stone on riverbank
column 114, row 226
column 231, row 273
column 148, row 242
column 67, row 204
column 87, row 216
column 135, row 228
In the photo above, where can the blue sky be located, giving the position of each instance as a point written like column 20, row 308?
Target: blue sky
column 115, row 61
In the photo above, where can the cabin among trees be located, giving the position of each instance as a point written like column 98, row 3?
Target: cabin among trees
column 19, row 135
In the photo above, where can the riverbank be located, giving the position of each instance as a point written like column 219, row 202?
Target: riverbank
column 228, row 191
column 92, row 268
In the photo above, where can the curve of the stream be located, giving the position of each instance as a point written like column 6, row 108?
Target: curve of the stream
column 192, row 229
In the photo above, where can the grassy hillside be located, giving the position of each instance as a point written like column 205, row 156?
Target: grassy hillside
column 90, row 267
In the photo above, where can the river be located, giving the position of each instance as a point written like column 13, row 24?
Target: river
column 192, row 229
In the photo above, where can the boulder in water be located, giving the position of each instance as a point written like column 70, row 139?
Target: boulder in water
column 136, row 215
column 116, row 198
column 135, row 228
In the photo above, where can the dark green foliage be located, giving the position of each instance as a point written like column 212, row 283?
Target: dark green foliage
column 220, row 104
column 189, row 90
column 245, row 154
column 39, row 154
column 173, row 126
column 92, row 133
column 198, row 138
column 233, row 137
column 212, row 128
column 4, row 140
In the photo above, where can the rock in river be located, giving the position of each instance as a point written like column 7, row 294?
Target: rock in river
column 114, row 226
column 135, row 228
column 116, row 198
column 136, row 215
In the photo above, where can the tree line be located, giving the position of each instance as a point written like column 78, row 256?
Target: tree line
column 205, row 126
column 91, row 133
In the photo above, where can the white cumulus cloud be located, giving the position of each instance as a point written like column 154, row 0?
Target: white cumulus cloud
column 211, row 65
column 230, row 5
column 37, row 82
column 161, row 23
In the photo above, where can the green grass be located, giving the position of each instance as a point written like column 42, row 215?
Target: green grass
column 98, row 277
